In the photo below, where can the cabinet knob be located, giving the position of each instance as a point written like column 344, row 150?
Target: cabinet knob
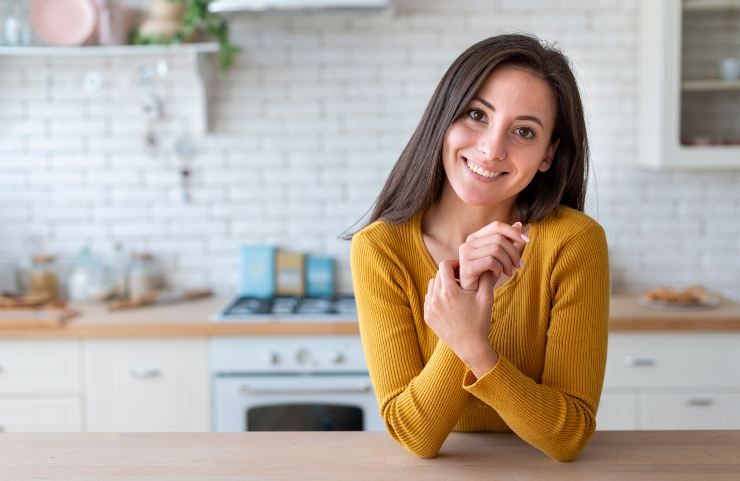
column 630, row 361
column 700, row 401
column 145, row 373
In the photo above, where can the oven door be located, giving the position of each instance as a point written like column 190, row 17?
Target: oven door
column 314, row 402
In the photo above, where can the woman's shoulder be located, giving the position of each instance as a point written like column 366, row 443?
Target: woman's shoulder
column 384, row 234
column 566, row 223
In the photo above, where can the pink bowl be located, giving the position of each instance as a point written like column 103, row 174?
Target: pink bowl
column 63, row 22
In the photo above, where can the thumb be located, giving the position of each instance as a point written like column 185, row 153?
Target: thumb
column 485, row 285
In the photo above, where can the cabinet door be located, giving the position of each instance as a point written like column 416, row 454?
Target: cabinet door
column 40, row 415
column 39, row 367
column 617, row 412
column 147, row 385
column 690, row 410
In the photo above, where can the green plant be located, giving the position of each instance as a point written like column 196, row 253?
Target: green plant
column 197, row 18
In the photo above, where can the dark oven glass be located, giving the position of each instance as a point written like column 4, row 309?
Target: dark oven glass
column 304, row 417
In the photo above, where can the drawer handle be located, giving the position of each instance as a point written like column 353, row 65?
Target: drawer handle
column 145, row 373
column 700, row 401
column 630, row 361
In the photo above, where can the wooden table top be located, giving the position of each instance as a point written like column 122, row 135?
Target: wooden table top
column 193, row 320
column 357, row 456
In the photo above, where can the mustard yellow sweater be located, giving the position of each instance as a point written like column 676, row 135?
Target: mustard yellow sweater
column 549, row 328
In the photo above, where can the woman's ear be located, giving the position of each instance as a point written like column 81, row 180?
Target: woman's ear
column 549, row 154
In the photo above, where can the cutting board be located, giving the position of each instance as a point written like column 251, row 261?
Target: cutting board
column 37, row 318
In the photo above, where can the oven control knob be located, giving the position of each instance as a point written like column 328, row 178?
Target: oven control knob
column 273, row 358
column 336, row 357
column 301, row 356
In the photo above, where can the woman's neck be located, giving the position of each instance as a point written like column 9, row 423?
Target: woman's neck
column 450, row 220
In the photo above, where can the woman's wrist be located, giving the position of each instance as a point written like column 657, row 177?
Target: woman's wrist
column 481, row 361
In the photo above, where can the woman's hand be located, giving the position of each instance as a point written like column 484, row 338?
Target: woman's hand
column 496, row 247
column 462, row 318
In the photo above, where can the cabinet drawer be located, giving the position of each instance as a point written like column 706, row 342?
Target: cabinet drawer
column 29, row 367
column 617, row 412
column 40, row 415
column 673, row 360
column 690, row 410
column 146, row 385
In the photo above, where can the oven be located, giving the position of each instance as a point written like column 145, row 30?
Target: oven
column 291, row 383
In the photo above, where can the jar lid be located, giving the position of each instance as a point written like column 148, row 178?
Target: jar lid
column 43, row 258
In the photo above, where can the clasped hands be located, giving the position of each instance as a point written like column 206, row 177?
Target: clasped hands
column 460, row 313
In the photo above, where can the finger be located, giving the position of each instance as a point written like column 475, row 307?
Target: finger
column 502, row 249
column 446, row 273
column 496, row 227
column 428, row 296
column 485, row 286
column 475, row 269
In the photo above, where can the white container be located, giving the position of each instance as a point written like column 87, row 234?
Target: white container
column 729, row 69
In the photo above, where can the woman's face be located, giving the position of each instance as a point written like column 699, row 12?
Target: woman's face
column 493, row 151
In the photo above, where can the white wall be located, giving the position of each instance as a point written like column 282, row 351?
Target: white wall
column 306, row 126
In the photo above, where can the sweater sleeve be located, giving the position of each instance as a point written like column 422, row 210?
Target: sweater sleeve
column 419, row 403
column 557, row 416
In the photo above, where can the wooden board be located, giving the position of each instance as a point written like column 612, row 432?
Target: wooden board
column 35, row 318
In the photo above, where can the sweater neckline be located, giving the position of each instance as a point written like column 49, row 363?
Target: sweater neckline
column 432, row 265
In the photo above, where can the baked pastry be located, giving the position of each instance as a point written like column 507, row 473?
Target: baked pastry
column 690, row 295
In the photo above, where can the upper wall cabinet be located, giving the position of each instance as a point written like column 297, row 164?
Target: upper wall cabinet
column 690, row 84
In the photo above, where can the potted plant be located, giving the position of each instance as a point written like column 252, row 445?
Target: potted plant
column 182, row 21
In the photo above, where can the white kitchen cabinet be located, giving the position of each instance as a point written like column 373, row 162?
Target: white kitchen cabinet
column 687, row 113
column 40, row 388
column 617, row 411
column 703, row 409
column 40, row 415
column 658, row 380
column 146, row 385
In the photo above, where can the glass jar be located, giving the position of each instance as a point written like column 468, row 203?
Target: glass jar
column 89, row 279
column 15, row 27
column 43, row 276
column 143, row 278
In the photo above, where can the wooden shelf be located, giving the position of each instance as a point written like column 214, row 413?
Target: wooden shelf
column 116, row 50
column 710, row 5
column 709, row 85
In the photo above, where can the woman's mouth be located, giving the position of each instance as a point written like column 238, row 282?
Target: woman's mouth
column 483, row 173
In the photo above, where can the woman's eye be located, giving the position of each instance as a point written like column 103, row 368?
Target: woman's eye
column 525, row 132
column 476, row 114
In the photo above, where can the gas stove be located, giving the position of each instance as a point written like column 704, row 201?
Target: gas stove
column 288, row 309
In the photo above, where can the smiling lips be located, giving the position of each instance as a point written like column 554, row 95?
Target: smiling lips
column 481, row 171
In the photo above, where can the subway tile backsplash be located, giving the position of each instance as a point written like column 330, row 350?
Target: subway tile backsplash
column 304, row 129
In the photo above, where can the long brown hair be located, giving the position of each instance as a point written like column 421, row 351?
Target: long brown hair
column 412, row 186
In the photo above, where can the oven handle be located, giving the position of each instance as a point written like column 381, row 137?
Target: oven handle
column 245, row 390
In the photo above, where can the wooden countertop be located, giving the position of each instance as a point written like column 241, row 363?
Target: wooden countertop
column 357, row 456
column 192, row 320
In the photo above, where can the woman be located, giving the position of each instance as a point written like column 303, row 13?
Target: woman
column 482, row 288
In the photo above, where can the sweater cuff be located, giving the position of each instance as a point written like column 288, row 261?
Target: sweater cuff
column 498, row 387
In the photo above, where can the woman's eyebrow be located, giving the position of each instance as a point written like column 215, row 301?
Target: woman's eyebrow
column 521, row 117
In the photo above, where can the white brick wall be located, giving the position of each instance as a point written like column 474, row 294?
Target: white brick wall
column 305, row 128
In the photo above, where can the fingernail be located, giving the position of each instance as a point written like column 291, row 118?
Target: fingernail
column 524, row 236
column 521, row 264
column 515, row 223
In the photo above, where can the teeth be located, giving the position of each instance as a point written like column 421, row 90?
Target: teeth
column 481, row 171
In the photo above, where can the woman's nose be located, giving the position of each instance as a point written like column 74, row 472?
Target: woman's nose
column 492, row 144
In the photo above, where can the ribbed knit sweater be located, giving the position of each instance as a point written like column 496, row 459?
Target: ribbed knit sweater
column 549, row 328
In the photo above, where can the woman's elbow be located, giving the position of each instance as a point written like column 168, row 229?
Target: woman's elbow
column 417, row 443
column 571, row 448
